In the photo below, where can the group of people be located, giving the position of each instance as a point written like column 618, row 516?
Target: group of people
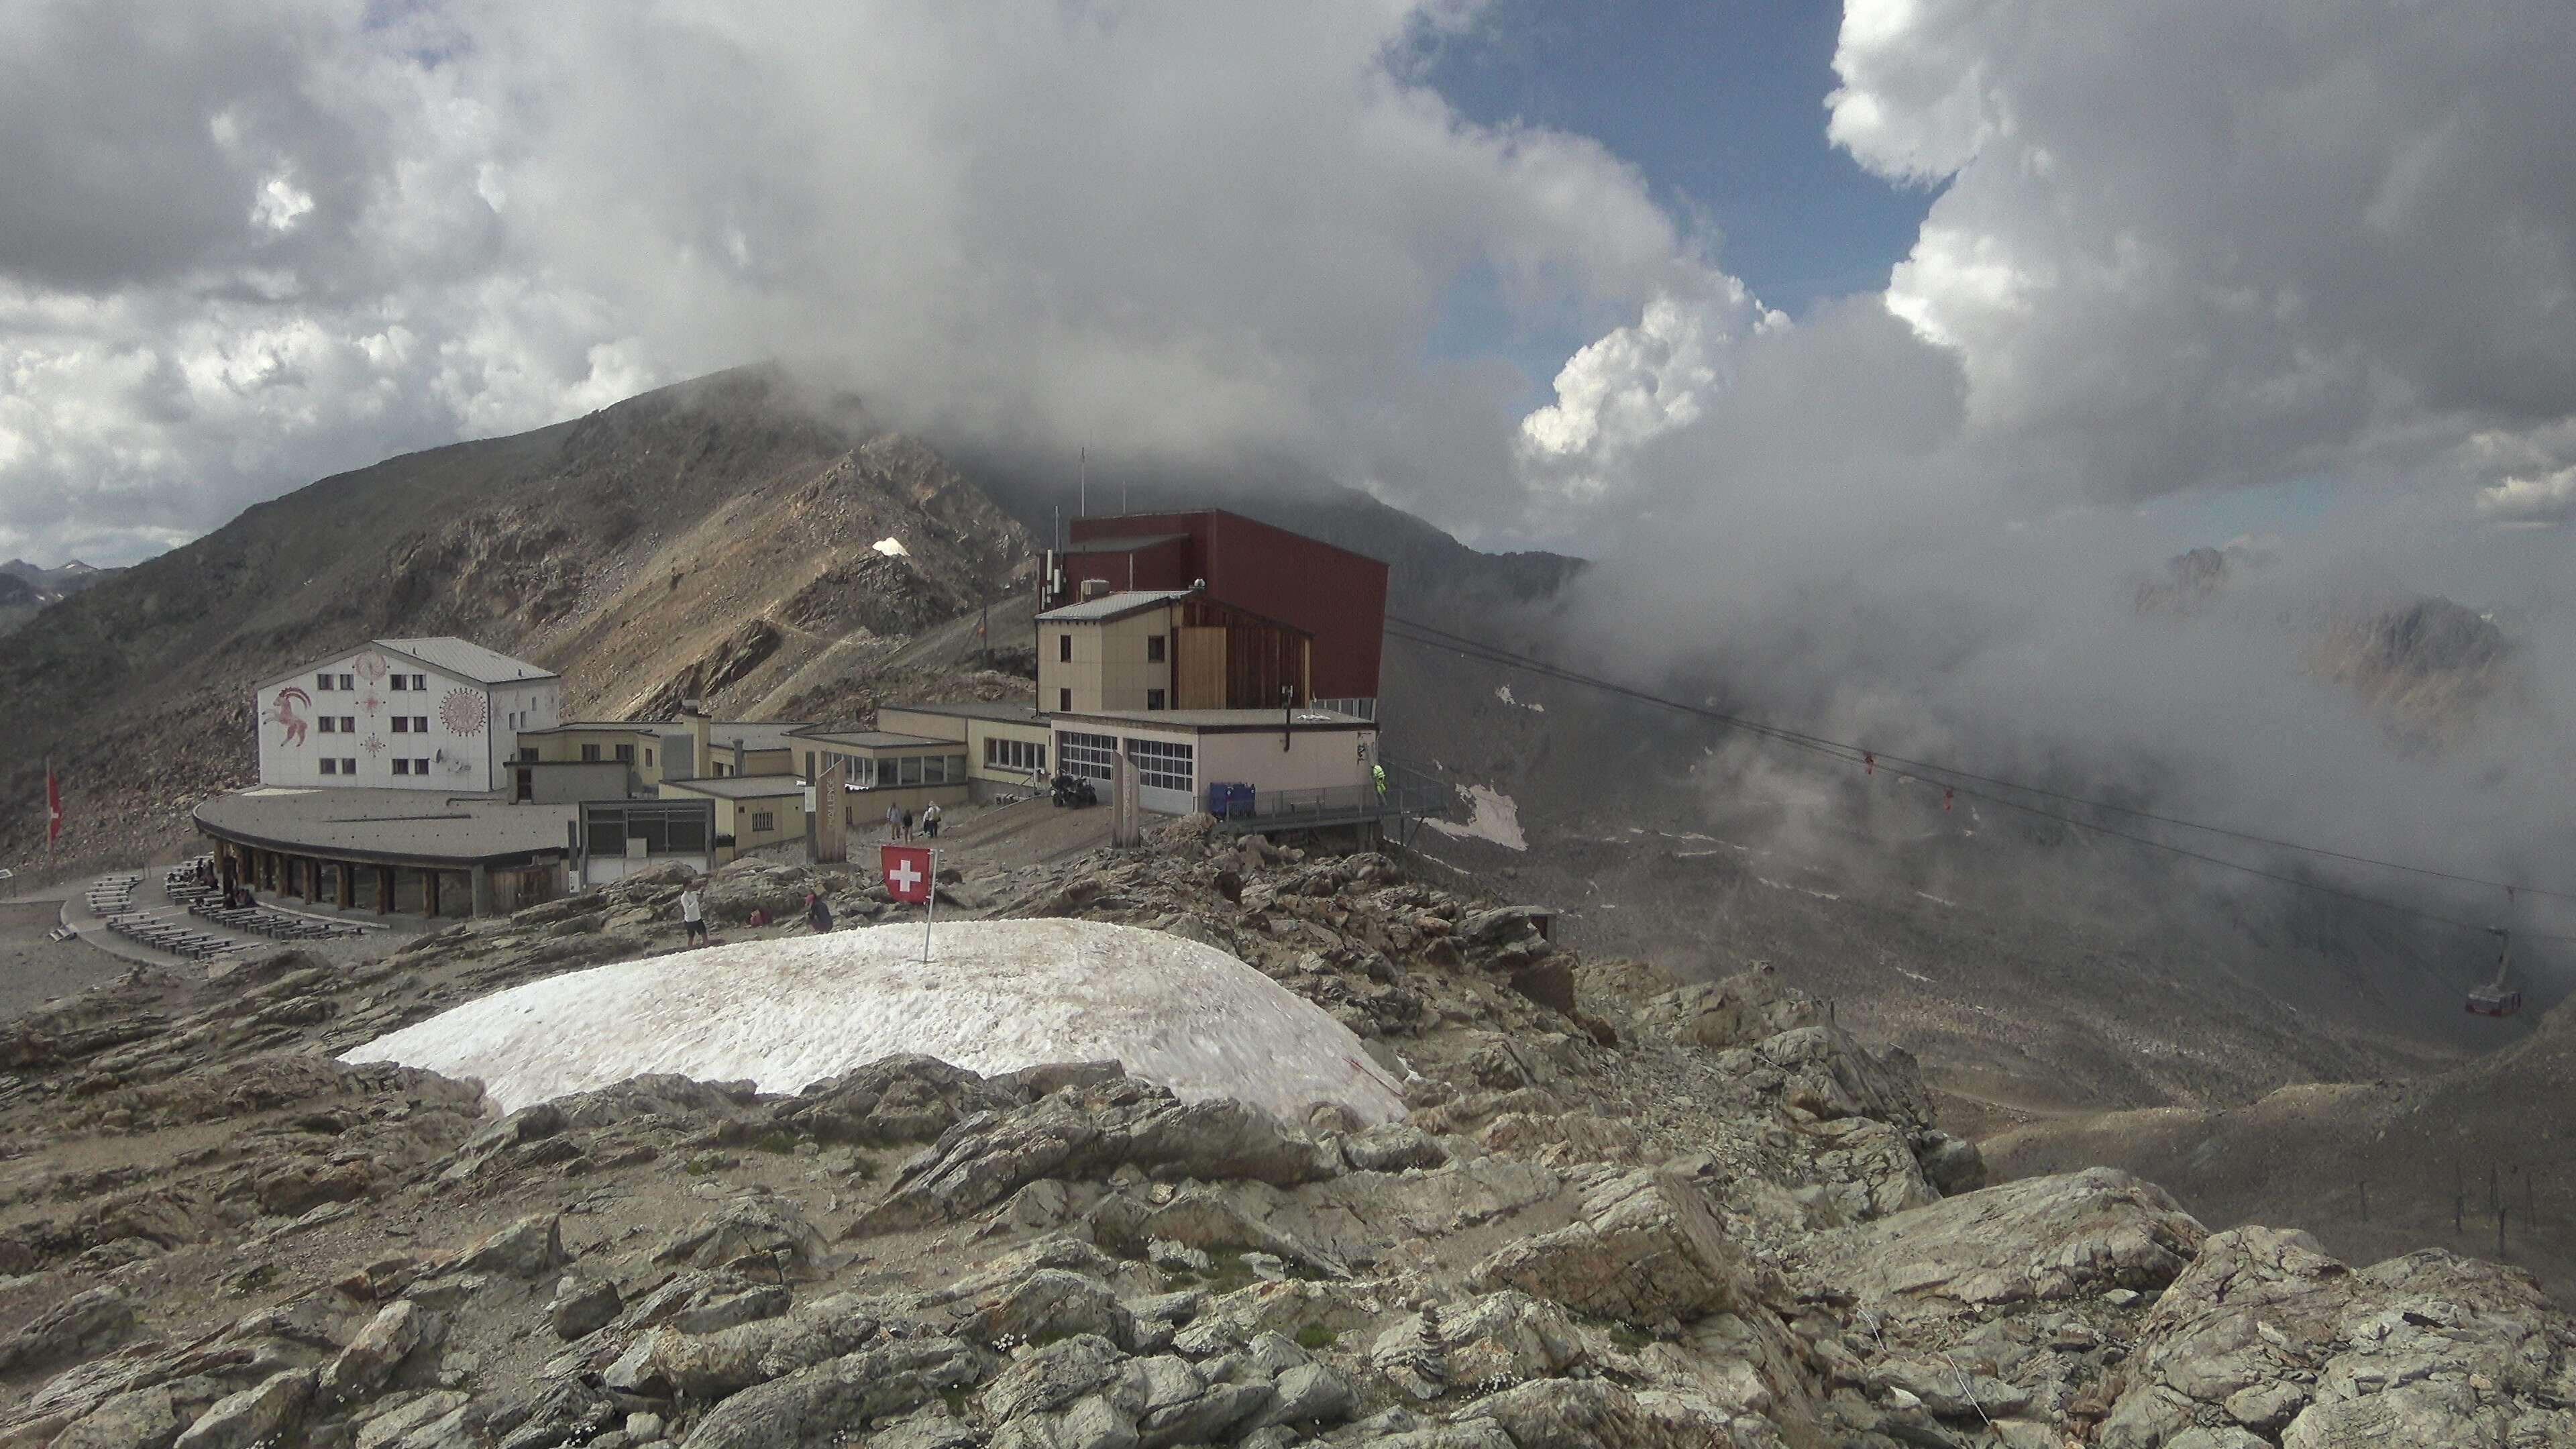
column 236, row 896
column 693, row 915
column 900, row 823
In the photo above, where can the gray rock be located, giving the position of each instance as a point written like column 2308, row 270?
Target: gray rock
column 581, row 1308
column 835, row 1402
column 1309, row 1394
column 1583, row 1413
column 375, row 1353
column 1049, row 1304
column 136, row 1419
column 893, row 1100
column 1052, row 1377
column 527, row 1249
column 1952, row 1165
column 267, row 1410
column 759, row 1237
column 2042, row 1239
column 432, row 1419
column 77, row 1327
column 1646, row 1247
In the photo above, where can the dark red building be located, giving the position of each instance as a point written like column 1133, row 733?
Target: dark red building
column 1337, row 596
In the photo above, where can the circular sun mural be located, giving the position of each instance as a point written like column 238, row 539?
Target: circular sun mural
column 464, row 711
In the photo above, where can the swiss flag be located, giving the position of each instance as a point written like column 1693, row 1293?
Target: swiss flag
column 907, row 871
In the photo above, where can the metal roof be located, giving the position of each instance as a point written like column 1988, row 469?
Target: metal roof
column 1224, row 720
column 754, row 734
column 740, row 787
column 1000, row 711
column 1112, row 606
column 655, row 728
column 1119, row 545
column 877, row 740
column 467, row 660
column 407, row 826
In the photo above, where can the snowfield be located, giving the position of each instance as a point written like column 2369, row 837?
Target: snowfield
column 1000, row 996
column 1495, row 818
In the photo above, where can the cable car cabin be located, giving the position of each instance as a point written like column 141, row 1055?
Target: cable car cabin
column 2491, row 1001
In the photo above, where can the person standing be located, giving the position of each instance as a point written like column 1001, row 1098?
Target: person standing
column 1377, row 775
column 930, row 820
column 894, row 822
column 907, row 825
column 693, row 917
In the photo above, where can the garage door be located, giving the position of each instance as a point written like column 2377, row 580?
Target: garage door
column 1165, row 776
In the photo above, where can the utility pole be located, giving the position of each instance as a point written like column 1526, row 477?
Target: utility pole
column 1082, row 483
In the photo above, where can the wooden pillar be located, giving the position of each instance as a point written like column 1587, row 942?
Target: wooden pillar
column 482, row 889
column 429, row 892
column 384, row 890
column 348, row 892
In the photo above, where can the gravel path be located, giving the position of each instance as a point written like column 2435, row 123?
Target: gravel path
column 34, row 970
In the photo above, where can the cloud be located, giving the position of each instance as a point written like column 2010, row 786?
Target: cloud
column 260, row 240
column 2531, row 501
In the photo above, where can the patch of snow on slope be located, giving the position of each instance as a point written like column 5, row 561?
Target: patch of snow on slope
column 1503, row 692
column 1494, row 818
column 891, row 548
column 1000, row 995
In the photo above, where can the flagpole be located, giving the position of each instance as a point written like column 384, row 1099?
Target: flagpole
column 930, row 903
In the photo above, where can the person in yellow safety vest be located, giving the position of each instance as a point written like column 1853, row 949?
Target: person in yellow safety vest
column 1377, row 774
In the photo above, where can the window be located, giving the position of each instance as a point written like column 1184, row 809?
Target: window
column 1064, row 701
column 763, row 820
column 589, row 752
column 348, row 766
column 348, row 724
column 1092, row 757
column 908, row 770
column 330, row 766
column 1064, row 647
column 322, row 682
column 1161, row 764
column 420, row 724
column 956, row 769
column 648, row 754
column 527, row 754
column 419, row 766
column 1153, row 699
column 1002, row 754
column 1154, row 649
column 934, row 769
column 330, row 724
column 399, row 681
column 626, row 754
column 345, row 681
column 402, row 724
column 401, row 766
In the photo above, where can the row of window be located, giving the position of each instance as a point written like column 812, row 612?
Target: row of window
column 410, row 767
column 411, row 724
column 1160, row 764
column 1091, row 757
column 1002, row 754
column 1155, row 647
column 343, row 766
column 322, row 683
column 869, row 772
column 1154, row 699
column 625, row 754
column 339, row 724
column 417, row 683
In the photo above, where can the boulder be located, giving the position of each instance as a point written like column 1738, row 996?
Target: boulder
column 580, row 1308
column 266, row 1411
column 1646, row 1247
column 1737, row 1011
column 136, row 1419
column 759, row 1236
column 1584, row 1413
column 836, row 1402
column 893, row 1100
column 986, row 1158
column 378, row 1349
column 529, row 1248
column 2044, row 1239
column 77, row 1327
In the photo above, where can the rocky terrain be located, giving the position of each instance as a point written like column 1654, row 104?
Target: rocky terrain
column 716, row 539
column 1624, row 1210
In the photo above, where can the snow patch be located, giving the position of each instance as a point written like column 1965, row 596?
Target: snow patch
column 1494, row 818
column 1000, row 995
column 1781, row 885
column 1504, row 693
column 891, row 548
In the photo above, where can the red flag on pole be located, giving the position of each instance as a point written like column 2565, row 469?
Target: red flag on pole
column 907, row 872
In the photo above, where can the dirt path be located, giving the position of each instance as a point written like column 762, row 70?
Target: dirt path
column 34, row 970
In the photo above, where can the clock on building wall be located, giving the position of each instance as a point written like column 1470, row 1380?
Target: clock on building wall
column 464, row 711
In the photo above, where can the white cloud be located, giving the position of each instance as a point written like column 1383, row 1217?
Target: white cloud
column 2550, row 499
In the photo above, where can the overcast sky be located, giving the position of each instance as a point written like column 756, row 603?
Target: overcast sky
column 1481, row 258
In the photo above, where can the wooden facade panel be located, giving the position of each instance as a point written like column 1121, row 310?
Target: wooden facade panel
column 1198, row 667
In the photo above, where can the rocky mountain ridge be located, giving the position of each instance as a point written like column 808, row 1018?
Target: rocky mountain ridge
column 1625, row 1210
